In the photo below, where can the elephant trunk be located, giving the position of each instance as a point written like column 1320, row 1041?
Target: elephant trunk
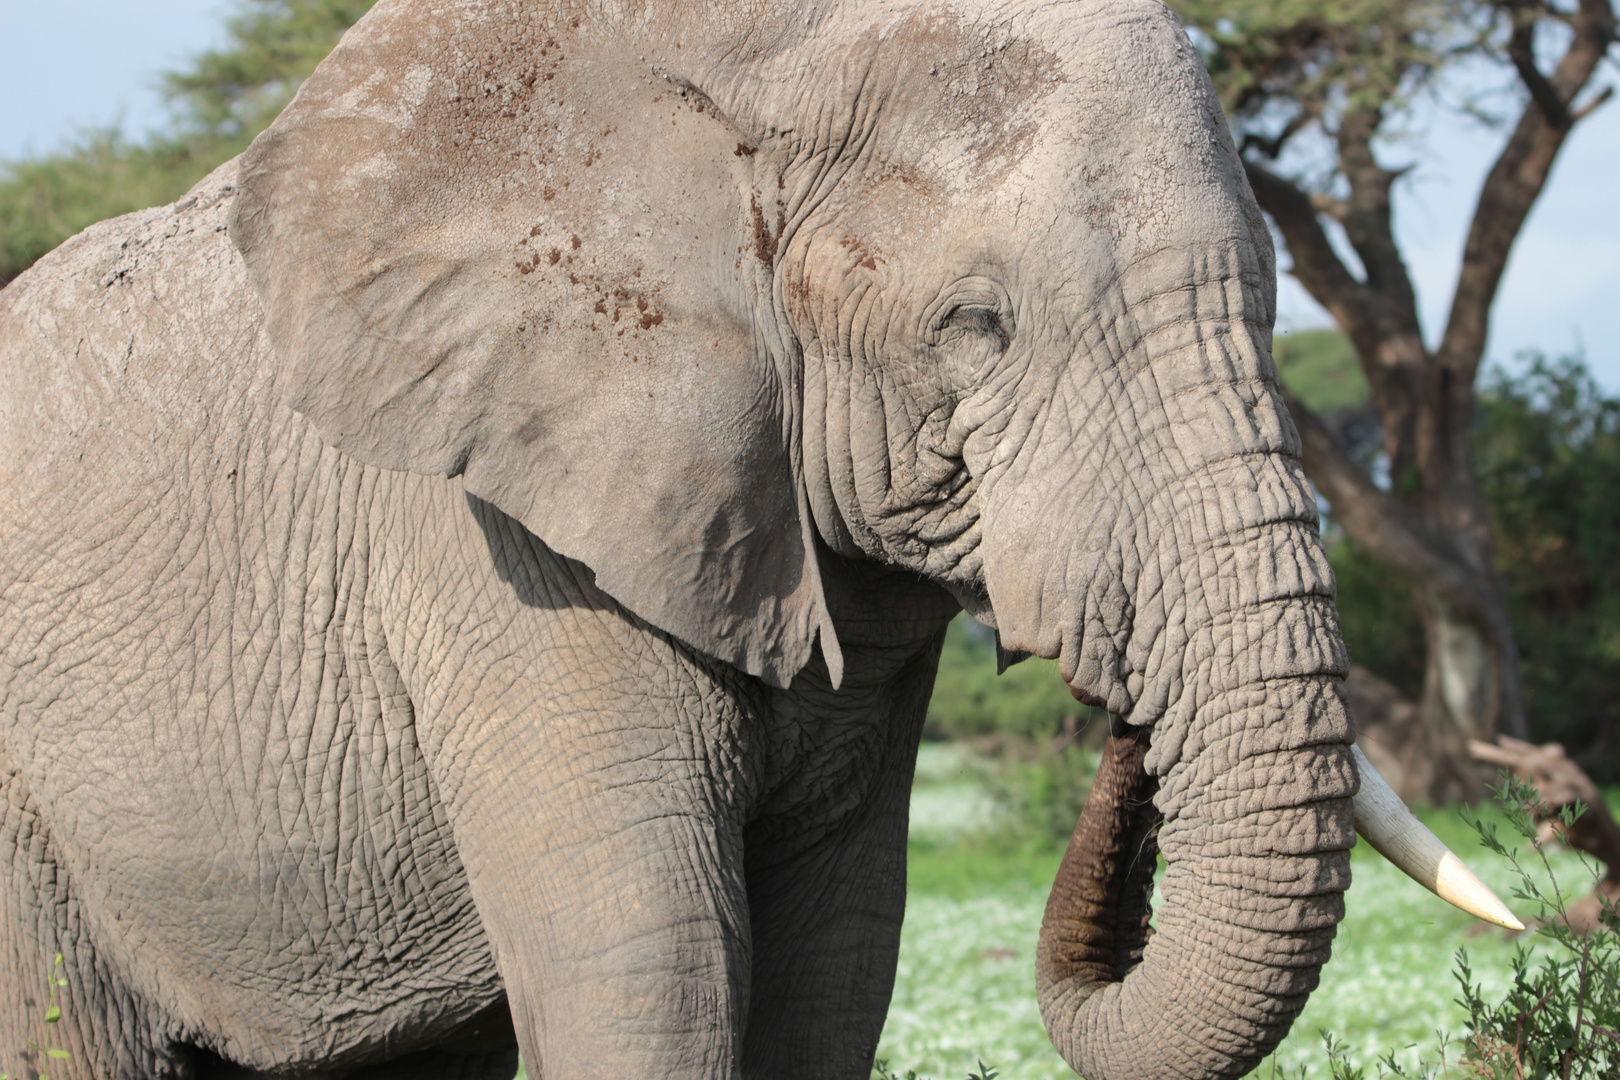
column 1256, row 830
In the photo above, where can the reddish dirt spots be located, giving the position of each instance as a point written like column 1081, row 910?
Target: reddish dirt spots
column 548, row 194
column 743, row 150
column 906, row 175
column 535, row 231
column 555, row 256
column 527, row 267
column 651, row 319
column 601, row 307
column 864, row 256
column 764, row 242
column 575, row 241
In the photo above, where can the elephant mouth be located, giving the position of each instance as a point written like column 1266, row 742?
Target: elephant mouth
column 1099, row 913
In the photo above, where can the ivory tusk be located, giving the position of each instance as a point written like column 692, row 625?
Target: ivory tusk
column 1384, row 821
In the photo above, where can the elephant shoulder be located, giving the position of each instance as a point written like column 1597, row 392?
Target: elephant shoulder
column 124, row 339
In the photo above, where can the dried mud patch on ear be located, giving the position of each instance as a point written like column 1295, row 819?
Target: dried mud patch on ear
column 614, row 297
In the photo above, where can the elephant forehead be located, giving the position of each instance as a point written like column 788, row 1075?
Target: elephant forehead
column 1132, row 145
column 1089, row 130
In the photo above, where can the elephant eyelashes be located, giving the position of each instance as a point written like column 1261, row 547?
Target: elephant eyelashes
column 975, row 319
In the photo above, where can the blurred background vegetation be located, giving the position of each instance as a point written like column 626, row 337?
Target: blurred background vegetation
column 217, row 104
column 1547, row 448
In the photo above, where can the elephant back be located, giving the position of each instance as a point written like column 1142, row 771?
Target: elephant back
column 121, row 349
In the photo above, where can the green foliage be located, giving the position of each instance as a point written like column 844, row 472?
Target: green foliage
column 53, row 1015
column 1380, row 620
column 1040, row 797
column 233, row 93
column 1319, row 367
column 1039, row 777
column 1029, row 701
column 45, row 200
column 219, row 104
column 1547, row 450
column 1547, row 447
column 1562, row 1016
column 1558, row 1017
column 1284, row 66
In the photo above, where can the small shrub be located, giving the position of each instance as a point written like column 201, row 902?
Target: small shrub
column 1560, row 1019
column 1028, row 701
column 53, row 1013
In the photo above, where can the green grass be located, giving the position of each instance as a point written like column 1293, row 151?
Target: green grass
column 965, row 988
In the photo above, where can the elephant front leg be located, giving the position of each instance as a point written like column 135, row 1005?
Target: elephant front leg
column 826, row 941
column 611, row 888
column 827, row 893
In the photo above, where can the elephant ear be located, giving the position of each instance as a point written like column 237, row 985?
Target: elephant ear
column 491, row 247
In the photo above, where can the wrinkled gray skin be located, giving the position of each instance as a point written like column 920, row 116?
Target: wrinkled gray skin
column 489, row 548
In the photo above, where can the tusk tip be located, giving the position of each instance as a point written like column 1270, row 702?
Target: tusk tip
column 1386, row 823
column 1457, row 885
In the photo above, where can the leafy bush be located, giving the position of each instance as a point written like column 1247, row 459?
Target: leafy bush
column 1029, row 701
column 1041, row 796
column 1382, row 630
column 1562, row 1017
column 1559, row 1018
column 1547, row 448
column 1547, row 445
column 49, row 1051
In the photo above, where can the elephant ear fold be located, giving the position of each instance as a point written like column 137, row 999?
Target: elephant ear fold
column 481, row 254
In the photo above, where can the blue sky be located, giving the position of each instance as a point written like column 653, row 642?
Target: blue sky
column 68, row 63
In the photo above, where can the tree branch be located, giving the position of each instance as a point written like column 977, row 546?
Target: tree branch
column 1513, row 185
column 1368, row 221
column 1316, row 265
column 1597, row 102
column 1522, row 51
column 1377, row 523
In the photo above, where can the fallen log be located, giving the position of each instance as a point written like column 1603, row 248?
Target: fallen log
column 1559, row 782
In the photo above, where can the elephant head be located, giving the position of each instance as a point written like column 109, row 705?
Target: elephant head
column 699, row 293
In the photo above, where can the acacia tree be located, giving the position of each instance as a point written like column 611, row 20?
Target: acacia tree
column 1315, row 89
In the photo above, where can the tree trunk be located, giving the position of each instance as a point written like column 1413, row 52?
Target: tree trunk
column 1433, row 523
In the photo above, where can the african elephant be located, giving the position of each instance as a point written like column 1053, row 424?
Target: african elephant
column 473, row 569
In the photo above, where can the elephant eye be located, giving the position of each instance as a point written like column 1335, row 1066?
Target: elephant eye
column 977, row 319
